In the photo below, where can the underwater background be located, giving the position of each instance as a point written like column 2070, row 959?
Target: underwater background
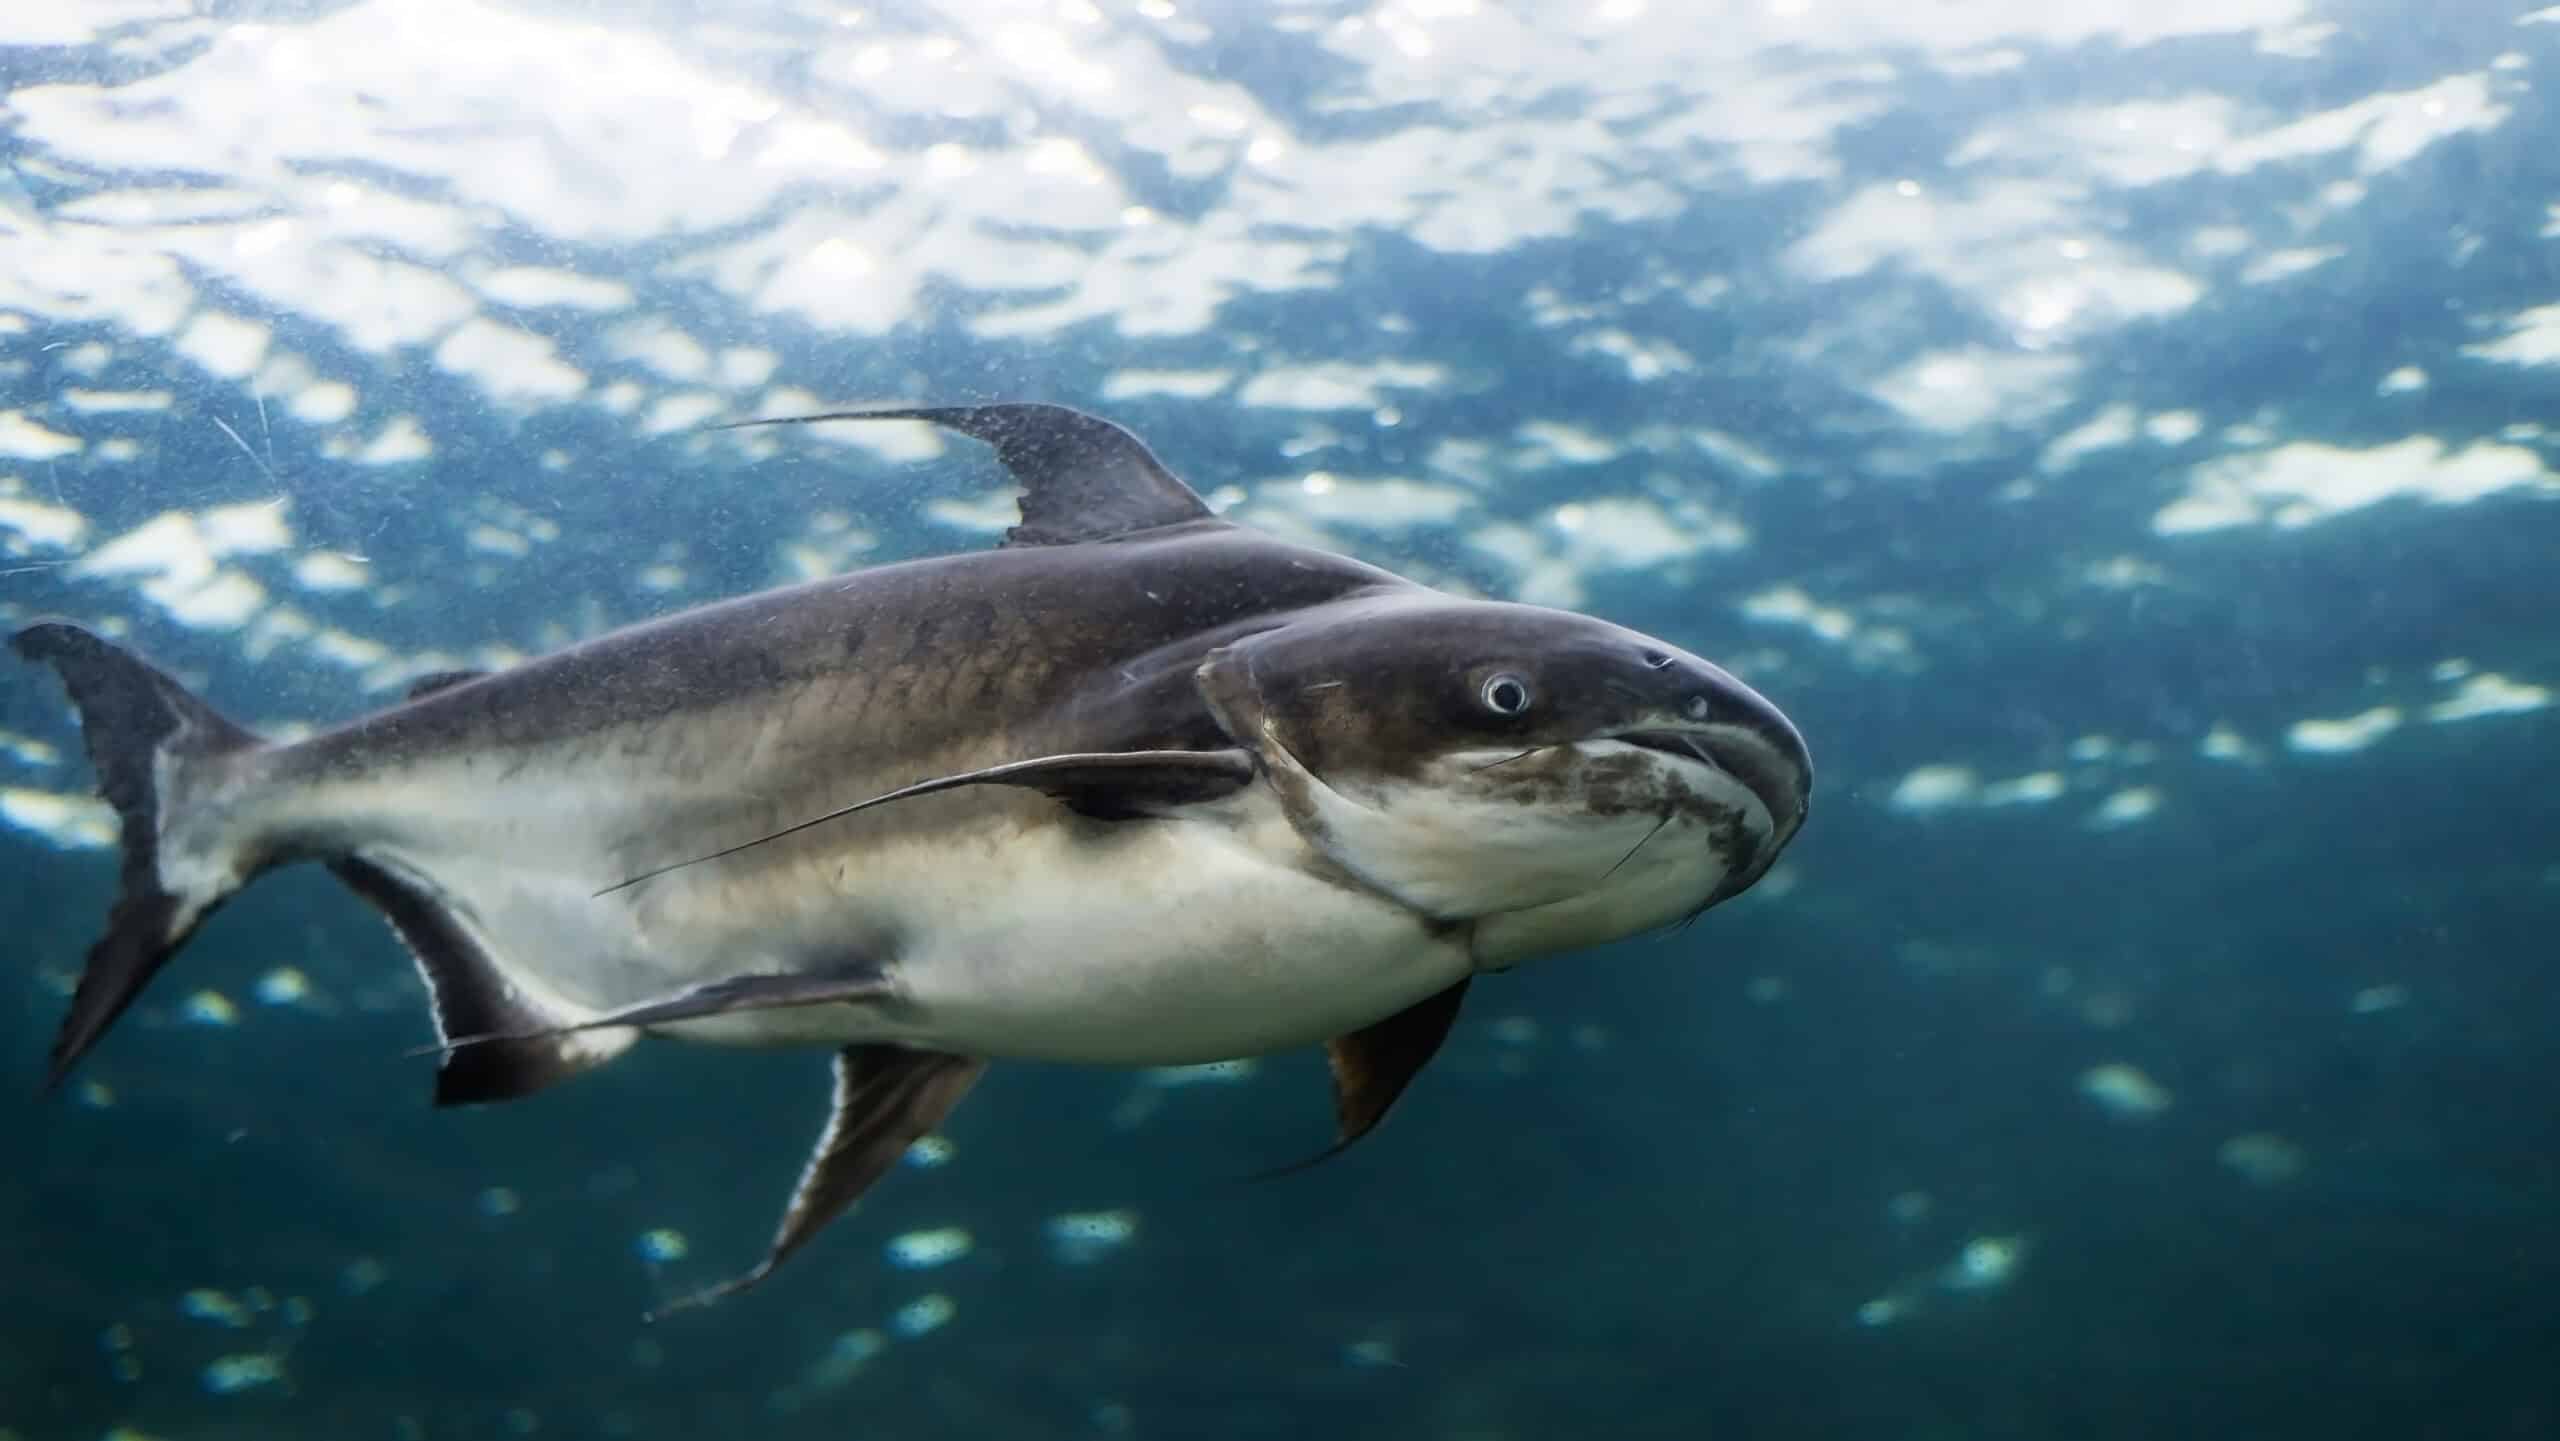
column 2115, row 431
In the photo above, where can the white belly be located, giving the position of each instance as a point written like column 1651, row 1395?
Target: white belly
column 1130, row 943
column 1186, row 941
column 1011, row 929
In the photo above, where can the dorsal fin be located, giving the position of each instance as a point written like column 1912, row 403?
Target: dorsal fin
column 1083, row 478
column 436, row 680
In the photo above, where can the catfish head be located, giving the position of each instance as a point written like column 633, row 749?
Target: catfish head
column 1545, row 778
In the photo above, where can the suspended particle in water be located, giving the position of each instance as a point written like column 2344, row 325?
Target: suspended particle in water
column 923, row 1316
column 241, row 1373
column 1079, row 1237
column 215, row 1306
column 283, row 986
column 1985, row 1262
column 924, row 1250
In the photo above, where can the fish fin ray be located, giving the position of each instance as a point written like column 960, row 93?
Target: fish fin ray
column 515, row 1045
column 886, row 1099
column 730, row 995
column 1083, row 478
column 1372, row 1067
column 433, row 681
column 1109, row 785
column 154, row 745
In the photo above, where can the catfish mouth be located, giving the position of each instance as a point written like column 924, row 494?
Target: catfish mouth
column 1681, row 745
column 1672, row 743
column 1776, row 792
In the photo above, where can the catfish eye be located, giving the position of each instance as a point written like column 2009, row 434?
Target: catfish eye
column 1506, row 694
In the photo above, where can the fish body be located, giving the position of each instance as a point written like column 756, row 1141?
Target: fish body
column 517, row 798
column 1138, row 787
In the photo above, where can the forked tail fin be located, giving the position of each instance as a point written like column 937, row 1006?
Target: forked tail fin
column 152, row 743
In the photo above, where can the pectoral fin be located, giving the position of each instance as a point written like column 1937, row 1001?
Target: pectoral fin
column 1109, row 785
column 1373, row 1065
column 1125, row 785
column 887, row 1098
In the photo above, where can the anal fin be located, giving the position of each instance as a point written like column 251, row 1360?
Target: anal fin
column 886, row 1099
column 1373, row 1065
column 472, row 998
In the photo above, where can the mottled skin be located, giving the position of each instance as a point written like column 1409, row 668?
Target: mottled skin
column 1355, row 700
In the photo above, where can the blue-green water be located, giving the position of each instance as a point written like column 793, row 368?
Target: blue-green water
column 2117, row 437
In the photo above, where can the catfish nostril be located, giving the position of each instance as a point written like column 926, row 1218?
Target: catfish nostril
column 1656, row 660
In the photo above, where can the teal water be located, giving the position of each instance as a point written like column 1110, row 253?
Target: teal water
column 2117, row 437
